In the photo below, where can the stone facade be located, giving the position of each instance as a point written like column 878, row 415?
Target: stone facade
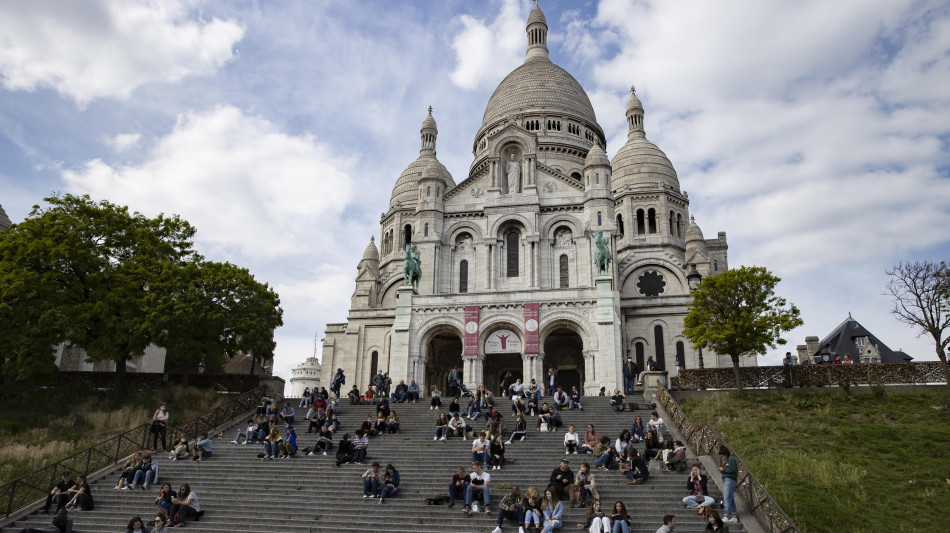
column 509, row 251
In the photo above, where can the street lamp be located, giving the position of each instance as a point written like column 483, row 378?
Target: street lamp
column 201, row 367
column 693, row 277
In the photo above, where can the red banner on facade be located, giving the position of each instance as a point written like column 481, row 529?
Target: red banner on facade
column 470, row 346
column 532, row 313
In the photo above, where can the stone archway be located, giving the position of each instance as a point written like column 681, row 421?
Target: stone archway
column 502, row 346
column 564, row 352
column 443, row 352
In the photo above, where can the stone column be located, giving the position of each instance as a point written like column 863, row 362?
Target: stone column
column 399, row 350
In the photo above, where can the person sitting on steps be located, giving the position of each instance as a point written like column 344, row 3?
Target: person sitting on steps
column 202, row 448
column 458, row 486
column 591, row 439
column 441, row 427
column 617, row 401
column 457, row 426
column 478, row 481
column 512, row 508
column 698, row 493
column 186, row 506
column 436, row 401
column 372, row 479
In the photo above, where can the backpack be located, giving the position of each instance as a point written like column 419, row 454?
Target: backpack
column 438, row 500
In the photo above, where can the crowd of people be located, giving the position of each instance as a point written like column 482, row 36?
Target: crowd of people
column 539, row 508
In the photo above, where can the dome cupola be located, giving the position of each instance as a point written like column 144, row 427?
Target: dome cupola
column 537, row 33
column 640, row 163
column 406, row 190
column 693, row 233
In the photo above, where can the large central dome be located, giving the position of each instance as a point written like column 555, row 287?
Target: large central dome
column 539, row 86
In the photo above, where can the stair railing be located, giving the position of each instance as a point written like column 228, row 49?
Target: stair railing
column 28, row 489
column 705, row 440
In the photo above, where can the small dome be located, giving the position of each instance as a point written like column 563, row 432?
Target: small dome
column 537, row 16
column 406, row 190
column 596, row 156
column 693, row 233
column 429, row 122
column 634, row 103
column 371, row 253
column 640, row 162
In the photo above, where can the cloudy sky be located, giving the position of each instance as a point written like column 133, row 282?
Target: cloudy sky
column 814, row 133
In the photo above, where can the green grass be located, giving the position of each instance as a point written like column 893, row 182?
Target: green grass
column 40, row 426
column 869, row 461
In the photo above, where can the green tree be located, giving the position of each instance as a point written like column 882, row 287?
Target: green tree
column 921, row 293
column 737, row 313
column 207, row 311
column 80, row 270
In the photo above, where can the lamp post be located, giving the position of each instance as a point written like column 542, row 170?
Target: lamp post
column 201, row 367
column 693, row 277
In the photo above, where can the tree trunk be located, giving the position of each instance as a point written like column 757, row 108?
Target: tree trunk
column 943, row 359
column 738, row 372
column 120, row 371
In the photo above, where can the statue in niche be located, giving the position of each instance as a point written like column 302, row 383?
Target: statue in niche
column 464, row 246
column 562, row 239
column 513, row 172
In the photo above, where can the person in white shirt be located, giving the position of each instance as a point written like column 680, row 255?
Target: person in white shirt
column 571, row 440
column 457, row 425
column 478, row 481
column 480, row 447
column 657, row 423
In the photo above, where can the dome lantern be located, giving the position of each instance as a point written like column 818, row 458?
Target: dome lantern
column 537, row 30
column 428, row 134
column 634, row 115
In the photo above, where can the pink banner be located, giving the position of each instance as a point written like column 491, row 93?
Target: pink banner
column 531, row 314
column 470, row 345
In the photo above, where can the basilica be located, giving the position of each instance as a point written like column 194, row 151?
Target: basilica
column 547, row 255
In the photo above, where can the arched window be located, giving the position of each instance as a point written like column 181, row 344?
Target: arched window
column 426, row 230
column 671, row 223
column 428, row 191
column 576, row 175
column 620, row 225
column 600, row 221
column 641, row 222
column 511, row 242
column 638, row 347
column 463, row 276
column 651, row 215
column 679, row 225
column 597, row 178
column 373, row 363
column 715, row 266
column 562, row 268
column 407, row 234
column 680, row 355
column 658, row 343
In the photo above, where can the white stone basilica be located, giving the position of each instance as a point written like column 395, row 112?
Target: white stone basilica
column 508, row 280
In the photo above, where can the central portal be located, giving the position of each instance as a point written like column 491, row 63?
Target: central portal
column 564, row 352
column 502, row 355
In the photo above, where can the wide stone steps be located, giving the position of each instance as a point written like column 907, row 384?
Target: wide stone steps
column 241, row 493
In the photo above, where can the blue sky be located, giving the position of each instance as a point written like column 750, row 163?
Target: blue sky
column 814, row 133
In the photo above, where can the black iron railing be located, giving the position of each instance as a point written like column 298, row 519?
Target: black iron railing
column 704, row 440
column 812, row 376
column 25, row 490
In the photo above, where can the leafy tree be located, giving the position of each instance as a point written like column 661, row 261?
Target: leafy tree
column 921, row 292
column 207, row 311
column 737, row 312
column 80, row 270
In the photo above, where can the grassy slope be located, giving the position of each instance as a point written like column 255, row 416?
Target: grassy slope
column 40, row 426
column 834, row 462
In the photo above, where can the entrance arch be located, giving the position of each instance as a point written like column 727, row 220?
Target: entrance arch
column 564, row 352
column 443, row 351
column 502, row 345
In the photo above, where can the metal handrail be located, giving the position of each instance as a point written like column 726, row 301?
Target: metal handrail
column 706, row 441
column 25, row 490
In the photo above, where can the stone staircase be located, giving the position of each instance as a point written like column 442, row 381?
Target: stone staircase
column 241, row 493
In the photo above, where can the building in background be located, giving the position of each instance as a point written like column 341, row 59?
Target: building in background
column 4, row 219
column 852, row 339
column 505, row 257
column 306, row 375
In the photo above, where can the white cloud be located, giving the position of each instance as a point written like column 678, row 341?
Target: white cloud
column 486, row 52
column 249, row 188
column 124, row 141
column 107, row 48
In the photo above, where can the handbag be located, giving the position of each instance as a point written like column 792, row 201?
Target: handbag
column 544, row 426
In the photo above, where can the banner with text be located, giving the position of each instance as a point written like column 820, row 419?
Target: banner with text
column 470, row 346
column 532, row 312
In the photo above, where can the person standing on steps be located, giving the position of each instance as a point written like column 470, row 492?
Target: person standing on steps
column 629, row 376
column 159, row 428
column 379, row 381
column 512, row 508
column 478, row 481
column 730, row 476
column 552, row 381
column 669, row 524
column 455, row 377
